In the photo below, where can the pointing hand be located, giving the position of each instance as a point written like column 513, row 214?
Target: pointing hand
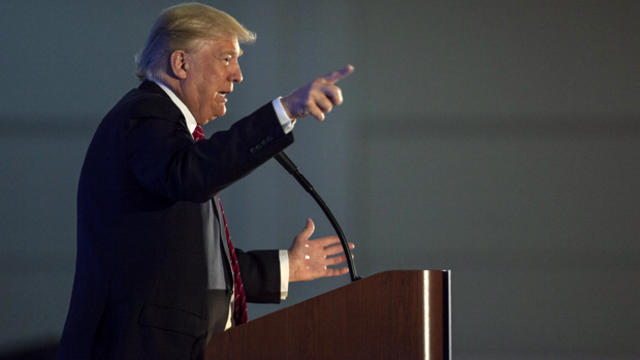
column 318, row 97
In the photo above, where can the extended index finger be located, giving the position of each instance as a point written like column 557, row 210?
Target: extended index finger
column 338, row 75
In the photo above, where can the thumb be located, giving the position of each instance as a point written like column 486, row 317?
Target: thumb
column 309, row 228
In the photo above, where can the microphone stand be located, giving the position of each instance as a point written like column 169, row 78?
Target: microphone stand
column 286, row 163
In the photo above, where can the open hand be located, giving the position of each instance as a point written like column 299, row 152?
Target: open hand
column 310, row 259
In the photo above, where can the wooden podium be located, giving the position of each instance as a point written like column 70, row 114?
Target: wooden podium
column 390, row 315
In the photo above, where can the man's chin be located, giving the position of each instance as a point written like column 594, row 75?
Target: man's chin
column 220, row 112
column 213, row 117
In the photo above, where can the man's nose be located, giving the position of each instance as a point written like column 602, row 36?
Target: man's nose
column 236, row 75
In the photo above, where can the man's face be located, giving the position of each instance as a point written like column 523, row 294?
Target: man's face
column 213, row 69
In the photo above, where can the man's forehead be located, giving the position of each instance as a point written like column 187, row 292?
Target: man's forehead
column 224, row 45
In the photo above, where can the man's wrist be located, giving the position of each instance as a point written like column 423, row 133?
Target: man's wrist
column 283, row 116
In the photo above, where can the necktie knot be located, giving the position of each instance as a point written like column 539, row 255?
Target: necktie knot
column 198, row 134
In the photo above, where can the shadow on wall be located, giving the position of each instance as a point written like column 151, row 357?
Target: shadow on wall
column 44, row 350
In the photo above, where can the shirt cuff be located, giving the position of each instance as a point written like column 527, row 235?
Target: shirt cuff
column 286, row 122
column 284, row 274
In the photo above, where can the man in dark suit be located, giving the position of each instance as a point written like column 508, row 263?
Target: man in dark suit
column 156, row 272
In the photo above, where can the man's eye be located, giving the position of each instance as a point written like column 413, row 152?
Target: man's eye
column 227, row 60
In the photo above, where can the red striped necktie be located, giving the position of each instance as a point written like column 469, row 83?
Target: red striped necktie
column 239, row 297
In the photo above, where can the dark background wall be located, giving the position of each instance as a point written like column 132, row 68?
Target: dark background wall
column 498, row 139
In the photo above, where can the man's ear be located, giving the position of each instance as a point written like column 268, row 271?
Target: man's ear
column 179, row 64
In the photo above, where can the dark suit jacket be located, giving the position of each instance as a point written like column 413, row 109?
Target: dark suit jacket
column 140, row 285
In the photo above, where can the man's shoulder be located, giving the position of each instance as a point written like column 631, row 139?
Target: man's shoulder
column 141, row 105
column 147, row 100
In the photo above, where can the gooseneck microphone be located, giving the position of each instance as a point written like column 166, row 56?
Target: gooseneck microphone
column 286, row 163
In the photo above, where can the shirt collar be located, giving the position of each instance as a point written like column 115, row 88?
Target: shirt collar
column 191, row 121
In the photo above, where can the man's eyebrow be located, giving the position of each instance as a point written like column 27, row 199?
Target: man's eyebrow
column 233, row 52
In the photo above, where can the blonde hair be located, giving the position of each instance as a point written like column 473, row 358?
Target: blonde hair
column 181, row 27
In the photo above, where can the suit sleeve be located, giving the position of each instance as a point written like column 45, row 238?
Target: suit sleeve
column 260, row 271
column 165, row 160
